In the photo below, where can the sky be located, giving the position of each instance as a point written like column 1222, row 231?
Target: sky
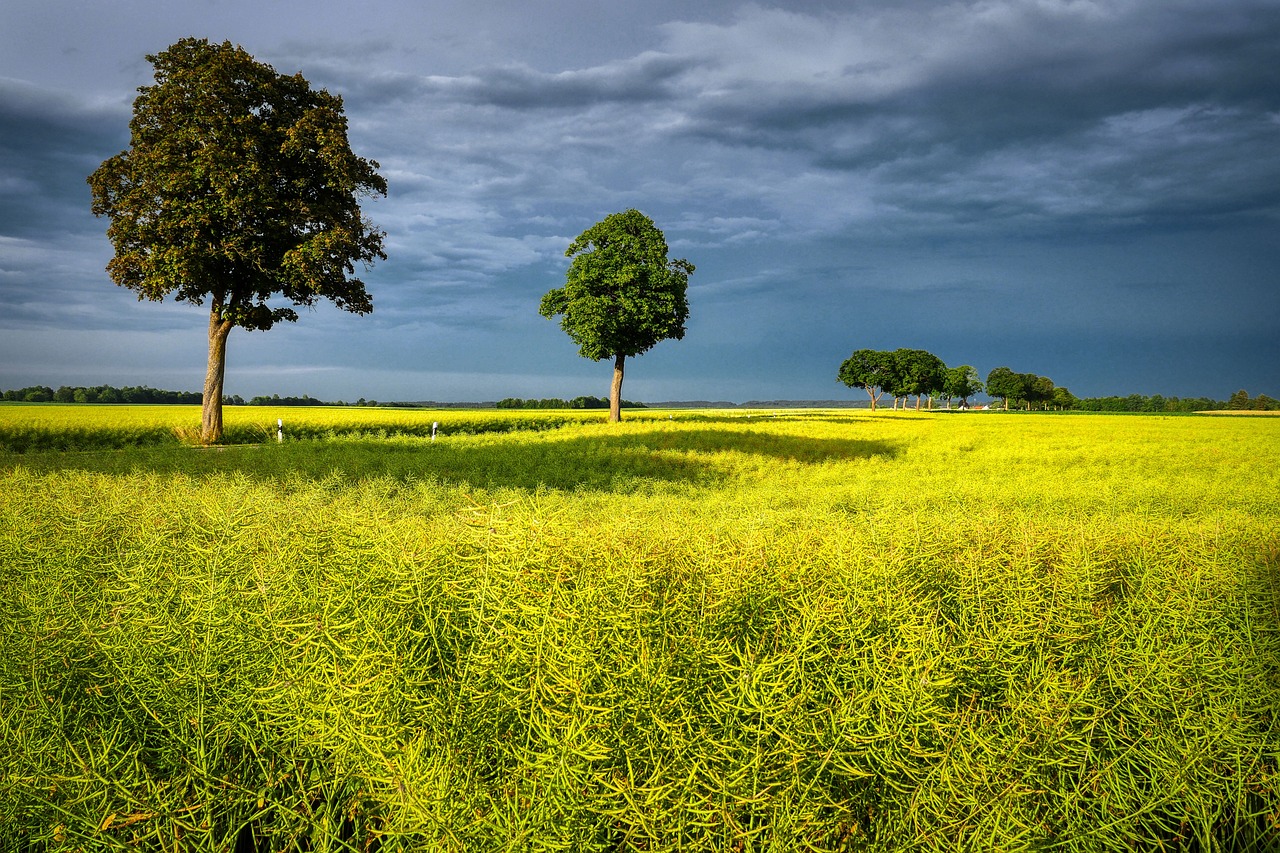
column 1087, row 190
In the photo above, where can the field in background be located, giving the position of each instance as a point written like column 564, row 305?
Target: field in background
column 691, row 631
column 25, row 428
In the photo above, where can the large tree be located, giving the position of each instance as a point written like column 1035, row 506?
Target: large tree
column 239, row 186
column 621, row 295
column 874, row 371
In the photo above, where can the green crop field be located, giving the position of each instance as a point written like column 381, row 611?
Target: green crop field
column 691, row 631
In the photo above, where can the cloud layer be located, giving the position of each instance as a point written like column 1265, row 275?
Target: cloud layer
column 1027, row 183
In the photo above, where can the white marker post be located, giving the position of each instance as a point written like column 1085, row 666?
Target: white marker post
column 435, row 425
column 279, row 430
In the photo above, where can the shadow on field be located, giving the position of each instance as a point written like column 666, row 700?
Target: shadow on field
column 553, row 459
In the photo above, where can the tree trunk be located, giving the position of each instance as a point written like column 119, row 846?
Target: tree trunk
column 615, row 391
column 211, row 407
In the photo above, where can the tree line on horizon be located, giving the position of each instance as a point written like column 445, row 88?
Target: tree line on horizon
column 904, row 373
column 144, row 395
column 586, row 402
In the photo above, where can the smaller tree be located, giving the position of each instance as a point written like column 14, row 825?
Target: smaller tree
column 1004, row 384
column 1037, row 389
column 621, row 295
column 1063, row 399
column 874, row 371
column 922, row 373
column 961, row 383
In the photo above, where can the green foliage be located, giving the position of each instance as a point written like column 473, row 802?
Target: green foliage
column 701, row 634
column 622, row 295
column 1240, row 402
column 100, row 394
column 586, row 402
column 238, row 185
column 898, row 373
column 1062, row 399
column 520, row 403
column 919, row 372
column 874, row 371
column 961, row 383
column 1028, row 389
column 277, row 400
column 1004, row 384
column 1148, row 404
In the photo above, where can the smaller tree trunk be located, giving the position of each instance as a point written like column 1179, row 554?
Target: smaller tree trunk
column 615, row 390
column 211, row 406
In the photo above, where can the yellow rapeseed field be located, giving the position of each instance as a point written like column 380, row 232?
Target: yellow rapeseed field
column 817, row 630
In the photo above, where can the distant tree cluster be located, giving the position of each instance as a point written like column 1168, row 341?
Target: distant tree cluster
column 557, row 403
column 1240, row 402
column 1154, row 403
column 904, row 373
column 304, row 400
column 99, row 394
column 1027, row 390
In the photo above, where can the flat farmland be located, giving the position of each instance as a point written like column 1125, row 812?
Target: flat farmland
column 813, row 630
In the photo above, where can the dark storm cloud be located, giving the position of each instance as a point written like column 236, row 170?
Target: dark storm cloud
column 1047, row 110
column 49, row 144
column 1003, row 181
column 51, row 247
column 1032, row 113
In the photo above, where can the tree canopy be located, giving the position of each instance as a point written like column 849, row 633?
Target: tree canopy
column 239, row 186
column 961, row 383
column 920, row 373
column 874, row 371
column 898, row 373
column 622, row 295
column 1027, row 389
column 1005, row 384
